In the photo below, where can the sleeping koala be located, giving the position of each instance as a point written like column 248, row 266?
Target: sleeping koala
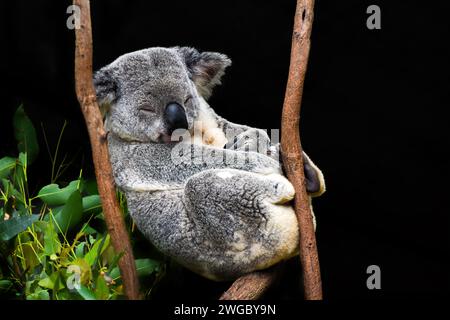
column 217, row 201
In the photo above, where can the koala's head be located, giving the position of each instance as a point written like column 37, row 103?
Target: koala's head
column 152, row 92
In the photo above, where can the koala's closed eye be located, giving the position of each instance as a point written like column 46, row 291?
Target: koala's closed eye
column 188, row 99
column 147, row 108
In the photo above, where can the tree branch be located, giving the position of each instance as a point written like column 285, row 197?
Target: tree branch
column 253, row 285
column 292, row 150
column 103, row 171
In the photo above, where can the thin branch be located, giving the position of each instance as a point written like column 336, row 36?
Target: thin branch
column 103, row 171
column 292, row 150
column 253, row 285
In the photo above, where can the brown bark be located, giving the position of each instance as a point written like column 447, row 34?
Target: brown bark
column 103, row 171
column 252, row 286
column 292, row 149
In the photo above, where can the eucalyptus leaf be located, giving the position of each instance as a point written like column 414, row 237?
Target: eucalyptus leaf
column 71, row 213
column 97, row 249
column 25, row 134
column 86, row 293
column 39, row 295
column 6, row 166
column 46, row 283
column 92, row 204
column 16, row 224
column 52, row 245
column 101, row 289
column 144, row 267
column 23, row 159
column 88, row 230
column 29, row 250
column 9, row 190
column 5, row 285
column 79, row 250
column 52, row 195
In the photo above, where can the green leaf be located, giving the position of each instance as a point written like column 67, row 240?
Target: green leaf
column 52, row 195
column 23, row 159
column 86, row 293
column 114, row 263
column 92, row 204
column 9, row 190
column 53, row 282
column 88, row 230
column 71, row 213
column 6, row 166
column 101, row 289
column 46, row 283
column 16, row 224
column 20, row 175
column 25, row 134
column 79, row 250
column 144, row 267
column 39, row 295
column 52, row 245
column 96, row 250
column 5, row 285
column 30, row 250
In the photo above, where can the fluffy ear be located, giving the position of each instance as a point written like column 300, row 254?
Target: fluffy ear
column 206, row 68
column 105, row 87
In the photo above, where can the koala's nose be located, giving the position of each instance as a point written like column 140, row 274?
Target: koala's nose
column 175, row 117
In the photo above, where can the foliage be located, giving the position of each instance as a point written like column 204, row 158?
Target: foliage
column 55, row 245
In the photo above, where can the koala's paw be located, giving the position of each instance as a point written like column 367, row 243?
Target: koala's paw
column 255, row 140
column 280, row 190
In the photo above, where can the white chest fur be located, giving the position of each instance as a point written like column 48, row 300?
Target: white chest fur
column 206, row 130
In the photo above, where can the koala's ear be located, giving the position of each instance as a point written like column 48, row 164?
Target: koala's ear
column 105, row 87
column 206, row 68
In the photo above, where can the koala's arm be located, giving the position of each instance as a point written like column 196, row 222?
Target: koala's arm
column 157, row 166
column 246, row 138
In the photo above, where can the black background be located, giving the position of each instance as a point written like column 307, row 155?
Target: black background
column 372, row 117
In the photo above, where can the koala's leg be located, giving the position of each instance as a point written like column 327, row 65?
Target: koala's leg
column 245, row 218
column 315, row 182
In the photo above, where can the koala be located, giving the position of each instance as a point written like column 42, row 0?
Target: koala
column 212, row 197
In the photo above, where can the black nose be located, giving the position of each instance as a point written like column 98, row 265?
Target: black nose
column 175, row 117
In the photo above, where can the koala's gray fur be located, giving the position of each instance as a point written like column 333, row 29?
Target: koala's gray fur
column 218, row 218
